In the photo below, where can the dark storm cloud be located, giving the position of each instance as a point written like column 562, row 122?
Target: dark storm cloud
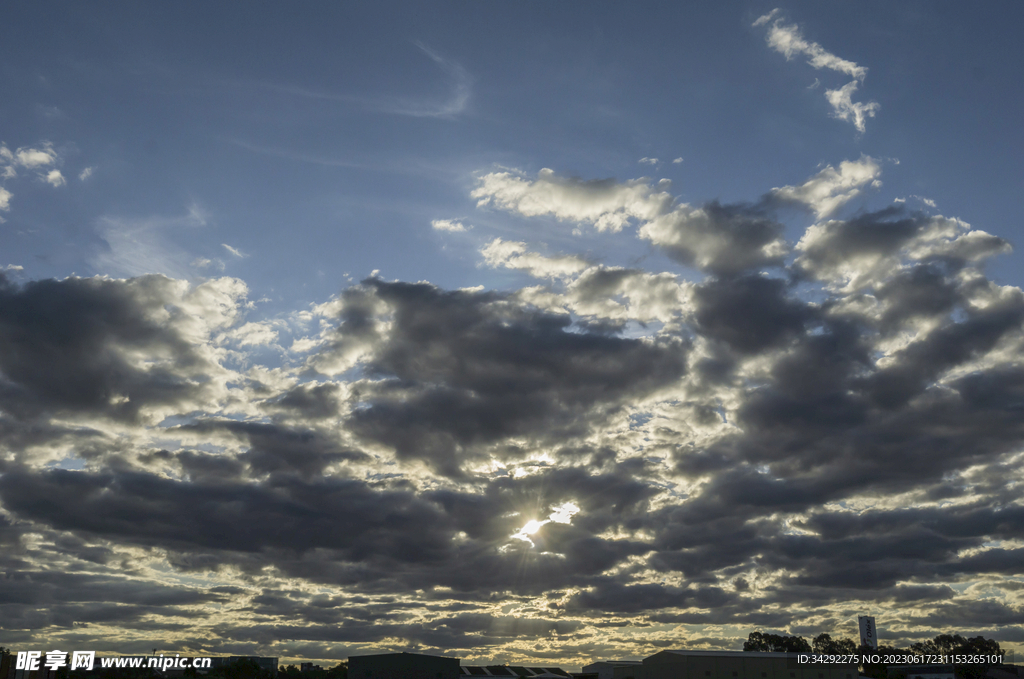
column 274, row 449
column 463, row 370
column 337, row 531
column 750, row 314
column 245, row 517
column 873, row 241
column 925, row 291
column 719, row 239
column 465, row 631
column 875, row 233
column 64, row 346
column 308, row 402
column 616, row 597
column 38, row 599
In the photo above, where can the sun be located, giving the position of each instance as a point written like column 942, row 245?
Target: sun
column 561, row 514
column 532, row 526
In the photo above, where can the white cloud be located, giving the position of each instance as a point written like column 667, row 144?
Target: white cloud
column 86, row 173
column 788, row 40
column 35, row 158
column 678, row 160
column 514, row 255
column 830, row 189
column 849, row 110
column 258, row 333
column 14, row 267
column 452, row 225
column 55, row 178
column 712, row 237
column 614, row 293
column 607, row 204
column 234, row 251
column 41, row 160
column 927, row 201
column 649, row 161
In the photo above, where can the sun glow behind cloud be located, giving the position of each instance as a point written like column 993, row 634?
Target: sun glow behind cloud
column 560, row 514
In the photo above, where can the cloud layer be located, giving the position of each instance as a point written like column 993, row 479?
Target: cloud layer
column 603, row 461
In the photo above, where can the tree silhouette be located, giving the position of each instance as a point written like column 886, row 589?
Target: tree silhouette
column 758, row 641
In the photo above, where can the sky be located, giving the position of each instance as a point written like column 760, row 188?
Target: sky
column 517, row 332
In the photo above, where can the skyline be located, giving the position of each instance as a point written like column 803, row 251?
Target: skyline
column 523, row 333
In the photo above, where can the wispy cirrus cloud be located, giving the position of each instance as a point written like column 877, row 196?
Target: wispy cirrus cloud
column 458, row 79
column 456, row 103
column 788, row 40
column 235, row 252
column 138, row 246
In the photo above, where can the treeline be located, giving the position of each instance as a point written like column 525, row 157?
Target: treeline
column 339, row 671
column 944, row 644
column 245, row 668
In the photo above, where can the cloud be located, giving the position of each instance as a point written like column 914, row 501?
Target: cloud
column 788, row 40
column 461, row 84
column 848, row 110
column 830, row 189
column 480, row 387
column 459, row 79
column 450, row 225
column 649, row 161
column 137, row 246
column 714, row 237
column 119, row 349
column 874, row 246
column 234, row 251
column 605, row 203
column 35, row 158
column 677, row 161
column 514, row 255
column 86, row 173
column 55, row 178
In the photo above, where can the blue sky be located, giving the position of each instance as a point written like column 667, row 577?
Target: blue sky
column 433, row 255
column 327, row 140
